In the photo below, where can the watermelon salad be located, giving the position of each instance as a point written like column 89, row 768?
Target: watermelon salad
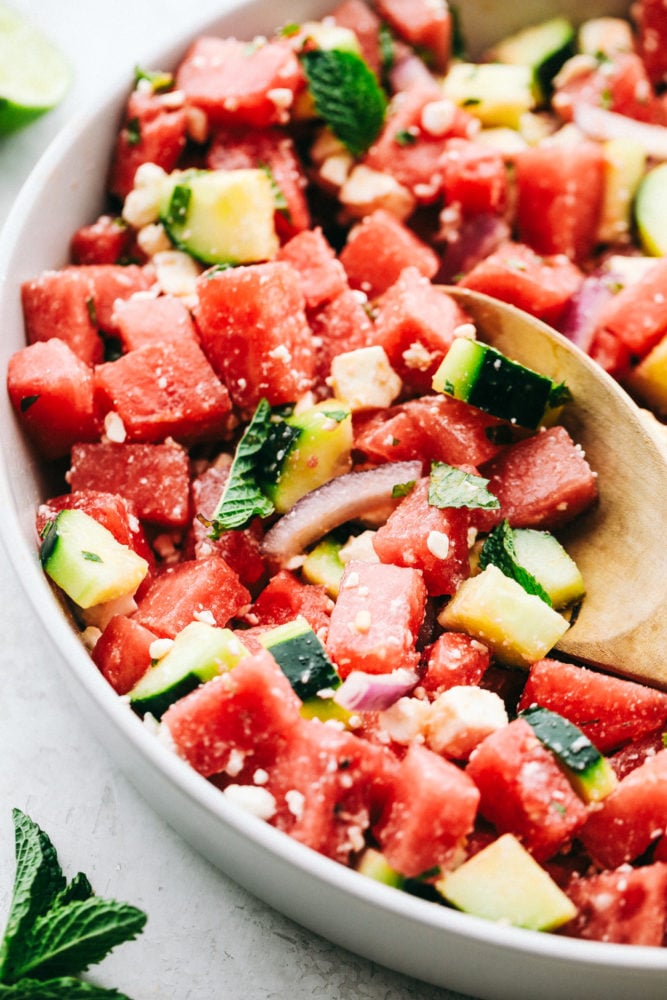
column 304, row 519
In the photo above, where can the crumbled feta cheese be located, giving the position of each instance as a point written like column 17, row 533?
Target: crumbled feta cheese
column 159, row 648
column 205, row 616
column 406, row 720
column 362, row 620
column 153, row 239
column 295, row 802
column 366, row 190
column 142, row 204
column 437, row 542
column 364, row 379
column 437, row 117
column 359, row 548
column 462, row 717
column 177, row 272
column 258, row 801
column 114, row 428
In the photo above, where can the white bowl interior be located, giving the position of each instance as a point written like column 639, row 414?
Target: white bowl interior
column 408, row 934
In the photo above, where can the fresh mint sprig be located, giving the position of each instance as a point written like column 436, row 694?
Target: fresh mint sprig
column 242, row 497
column 347, row 96
column 56, row 929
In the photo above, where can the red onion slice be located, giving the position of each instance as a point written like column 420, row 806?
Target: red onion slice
column 345, row 498
column 598, row 123
column 361, row 692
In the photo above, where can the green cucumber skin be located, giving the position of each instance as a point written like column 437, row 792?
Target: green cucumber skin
column 303, row 660
column 565, row 740
column 510, row 391
column 158, row 702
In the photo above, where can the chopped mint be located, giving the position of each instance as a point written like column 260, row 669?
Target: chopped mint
column 347, row 96
column 158, row 79
column 242, row 498
column 452, row 487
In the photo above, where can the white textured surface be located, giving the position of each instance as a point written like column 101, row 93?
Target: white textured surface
column 206, row 938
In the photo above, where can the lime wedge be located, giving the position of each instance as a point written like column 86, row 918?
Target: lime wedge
column 34, row 75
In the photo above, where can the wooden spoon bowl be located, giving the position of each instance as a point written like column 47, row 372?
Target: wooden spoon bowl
column 620, row 545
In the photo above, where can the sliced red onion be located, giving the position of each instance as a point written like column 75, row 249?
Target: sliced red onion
column 579, row 321
column 600, row 124
column 361, row 692
column 346, row 498
column 410, row 71
column 471, row 241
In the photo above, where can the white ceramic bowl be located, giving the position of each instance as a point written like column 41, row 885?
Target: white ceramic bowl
column 407, row 934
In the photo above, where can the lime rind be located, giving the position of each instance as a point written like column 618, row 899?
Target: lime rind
column 34, row 74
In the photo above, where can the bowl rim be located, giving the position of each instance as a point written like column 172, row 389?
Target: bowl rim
column 75, row 663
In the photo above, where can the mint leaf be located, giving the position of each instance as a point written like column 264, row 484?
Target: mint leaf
column 78, row 888
column 65, row 988
column 452, row 487
column 242, row 498
column 499, row 549
column 68, row 939
column 347, row 96
column 38, row 881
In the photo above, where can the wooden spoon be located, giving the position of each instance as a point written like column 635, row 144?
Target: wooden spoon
column 620, row 545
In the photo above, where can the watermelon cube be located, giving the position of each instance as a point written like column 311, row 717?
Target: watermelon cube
column 430, row 811
column 543, row 481
column 428, row 538
column 122, row 653
column 632, row 818
column 624, row 906
column 610, row 710
column 150, row 320
column 253, row 328
column 321, row 273
column 376, row 619
column 191, row 589
column 239, row 84
column 378, row 248
column 453, row 660
column 286, row 597
column 238, row 722
column 153, row 478
column 524, row 791
column 153, row 131
column 51, row 389
column 416, row 324
column 164, row 390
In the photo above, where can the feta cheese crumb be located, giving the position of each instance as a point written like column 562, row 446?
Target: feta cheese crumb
column 362, row 620
column 460, row 718
column 114, row 428
column 205, row 616
column 437, row 542
column 295, row 802
column 366, row 190
column 359, row 548
column 159, row 648
column 258, row 801
column 406, row 720
column 364, row 379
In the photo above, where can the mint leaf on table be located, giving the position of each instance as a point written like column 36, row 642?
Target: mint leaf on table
column 500, row 550
column 56, row 929
column 69, row 939
column 242, row 497
column 452, row 487
column 38, row 881
column 65, row 988
column 346, row 95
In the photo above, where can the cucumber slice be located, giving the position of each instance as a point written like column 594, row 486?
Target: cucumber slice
column 546, row 560
column 305, row 451
column 651, row 211
column 590, row 774
column 625, row 165
column 494, row 93
column 200, row 652
column 542, row 47
column 485, row 378
column 221, row 216
column 520, row 628
column 373, row 864
column 84, row 559
column 324, row 566
column 34, row 75
column 301, row 657
column 503, row 882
